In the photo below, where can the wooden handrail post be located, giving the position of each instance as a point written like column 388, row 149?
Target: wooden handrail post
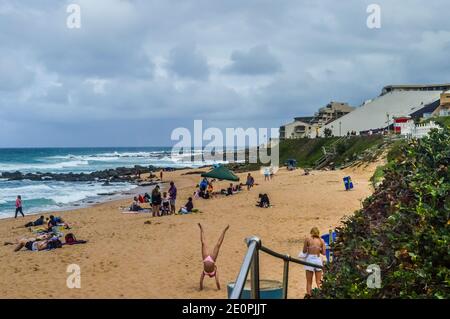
column 285, row 278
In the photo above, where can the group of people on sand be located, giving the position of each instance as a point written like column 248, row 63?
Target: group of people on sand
column 45, row 241
column 52, row 221
column 161, row 204
column 232, row 189
column 268, row 173
column 41, row 242
column 47, row 237
column 205, row 189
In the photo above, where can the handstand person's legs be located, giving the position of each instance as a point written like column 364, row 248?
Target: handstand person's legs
column 219, row 243
column 202, row 276
column 202, row 239
column 217, row 280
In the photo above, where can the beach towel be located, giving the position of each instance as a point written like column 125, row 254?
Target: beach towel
column 128, row 211
column 55, row 229
column 193, row 211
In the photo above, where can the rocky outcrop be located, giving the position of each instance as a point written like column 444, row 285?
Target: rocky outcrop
column 120, row 174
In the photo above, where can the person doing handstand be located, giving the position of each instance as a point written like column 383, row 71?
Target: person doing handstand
column 209, row 260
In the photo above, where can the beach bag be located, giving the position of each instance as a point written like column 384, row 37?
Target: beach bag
column 70, row 239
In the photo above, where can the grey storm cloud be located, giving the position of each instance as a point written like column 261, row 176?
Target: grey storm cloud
column 156, row 65
column 257, row 61
column 186, row 61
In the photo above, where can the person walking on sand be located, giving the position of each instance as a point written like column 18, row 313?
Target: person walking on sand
column 161, row 175
column 19, row 206
column 209, row 260
column 313, row 248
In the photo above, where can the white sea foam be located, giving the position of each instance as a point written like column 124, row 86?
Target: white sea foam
column 12, row 167
column 110, row 156
column 52, row 195
column 40, row 196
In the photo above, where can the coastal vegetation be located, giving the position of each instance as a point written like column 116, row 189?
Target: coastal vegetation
column 403, row 228
column 307, row 151
column 443, row 121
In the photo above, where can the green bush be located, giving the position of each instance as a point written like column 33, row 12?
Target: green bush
column 396, row 150
column 377, row 176
column 403, row 228
column 443, row 121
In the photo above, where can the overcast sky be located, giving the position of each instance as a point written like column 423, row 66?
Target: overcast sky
column 137, row 69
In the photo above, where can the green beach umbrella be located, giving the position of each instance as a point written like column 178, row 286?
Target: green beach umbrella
column 221, row 172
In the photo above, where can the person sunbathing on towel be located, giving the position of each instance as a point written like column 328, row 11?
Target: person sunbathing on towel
column 37, row 238
column 37, row 222
column 209, row 260
column 37, row 244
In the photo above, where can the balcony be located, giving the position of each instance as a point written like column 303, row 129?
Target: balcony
column 300, row 129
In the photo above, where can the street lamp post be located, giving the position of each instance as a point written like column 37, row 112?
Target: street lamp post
column 388, row 128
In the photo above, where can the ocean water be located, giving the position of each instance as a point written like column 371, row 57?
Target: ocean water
column 40, row 196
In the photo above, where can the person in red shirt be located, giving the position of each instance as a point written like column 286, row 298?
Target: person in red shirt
column 19, row 206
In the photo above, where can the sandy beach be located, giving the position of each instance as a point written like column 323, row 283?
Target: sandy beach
column 128, row 258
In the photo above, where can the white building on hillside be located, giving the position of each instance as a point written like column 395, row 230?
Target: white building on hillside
column 301, row 127
column 395, row 101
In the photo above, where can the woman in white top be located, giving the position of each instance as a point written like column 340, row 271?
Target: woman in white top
column 313, row 247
